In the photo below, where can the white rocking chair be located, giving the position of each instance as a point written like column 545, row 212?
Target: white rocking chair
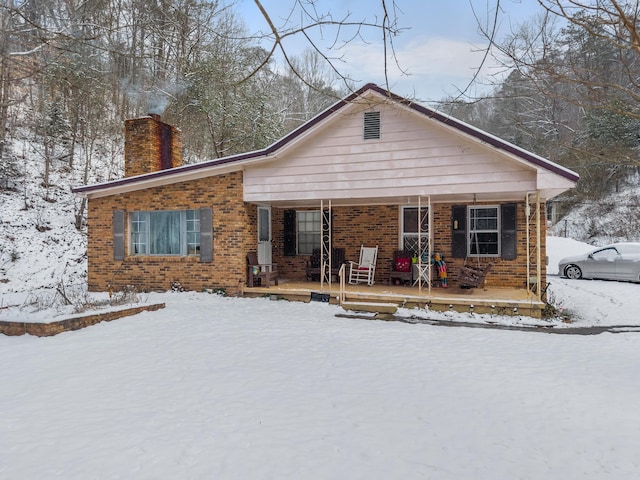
column 364, row 270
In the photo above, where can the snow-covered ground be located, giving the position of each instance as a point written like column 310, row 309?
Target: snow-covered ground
column 590, row 302
column 231, row 388
column 586, row 303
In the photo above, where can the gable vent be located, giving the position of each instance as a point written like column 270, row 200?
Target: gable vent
column 371, row 125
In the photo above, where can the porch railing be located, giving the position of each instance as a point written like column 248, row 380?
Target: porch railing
column 342, row 284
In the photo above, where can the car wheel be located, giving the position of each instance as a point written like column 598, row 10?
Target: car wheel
column 573, row 272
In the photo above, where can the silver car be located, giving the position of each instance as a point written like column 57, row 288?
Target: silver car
column 619, row 261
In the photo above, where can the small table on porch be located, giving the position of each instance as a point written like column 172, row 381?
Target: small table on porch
column 421, row 270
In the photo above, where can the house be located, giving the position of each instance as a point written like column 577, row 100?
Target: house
column 373, row 169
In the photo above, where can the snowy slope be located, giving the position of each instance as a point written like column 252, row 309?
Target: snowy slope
column 30, row 258
column 39, row 244
column 615, row 218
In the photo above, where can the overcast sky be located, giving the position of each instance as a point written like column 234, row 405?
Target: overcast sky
column 440, row 49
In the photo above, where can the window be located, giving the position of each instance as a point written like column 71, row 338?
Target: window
column 308, row 226
column 608, row 254
column 409, row 229
column 175, row 232
column 371, row 125
column 193, row 232
column 484, row 231
column 139, row 233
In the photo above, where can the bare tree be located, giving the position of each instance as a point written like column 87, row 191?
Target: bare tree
column 572, row 88
column 308, row 20
column 592, row 45
column 129, row 57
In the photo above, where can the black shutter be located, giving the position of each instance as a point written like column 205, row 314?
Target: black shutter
column 509, row 231
column 290, row 233
column 206, row 235
column 459, row 231
column 118, row 234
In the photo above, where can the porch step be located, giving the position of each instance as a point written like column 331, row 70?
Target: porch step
column 372, row 307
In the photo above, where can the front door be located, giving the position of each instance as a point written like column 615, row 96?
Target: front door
column 264, row 234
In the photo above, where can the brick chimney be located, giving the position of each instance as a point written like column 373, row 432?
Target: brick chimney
column 150, row 145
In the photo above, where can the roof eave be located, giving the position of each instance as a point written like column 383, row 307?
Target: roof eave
column 237, row 162
column 172, row 175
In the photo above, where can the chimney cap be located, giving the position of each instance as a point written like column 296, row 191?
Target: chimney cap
column 156, row 117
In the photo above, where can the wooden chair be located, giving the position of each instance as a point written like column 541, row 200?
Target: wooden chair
column 471, row 277
column 257, row 271
column 364, row 270
column 401, row 268
column 314, row 265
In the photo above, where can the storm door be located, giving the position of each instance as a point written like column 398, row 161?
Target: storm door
column 264, row 234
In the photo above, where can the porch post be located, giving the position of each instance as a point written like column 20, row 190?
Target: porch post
column 419, row 215
column 428, row 246
column 538, row 249
column 325, row 245
column 534, row 254
column 430, row 249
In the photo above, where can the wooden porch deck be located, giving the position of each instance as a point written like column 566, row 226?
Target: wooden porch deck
column 501, row 301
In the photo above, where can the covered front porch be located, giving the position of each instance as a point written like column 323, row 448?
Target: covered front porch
column 382, row 298
column 421, row 230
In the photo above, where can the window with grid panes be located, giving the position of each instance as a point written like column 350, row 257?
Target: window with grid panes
column 411, row 239
column 484, row 231
column 308, row 226
column 173, row 232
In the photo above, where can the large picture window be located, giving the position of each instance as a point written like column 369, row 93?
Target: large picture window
column 415, row 233
column 308, row 227
column 175, row 232
column 484, row 231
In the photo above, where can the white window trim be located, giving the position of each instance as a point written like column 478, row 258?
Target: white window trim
column 319, row 232
column 498, row 231
column 402, row 234
column 183, row 234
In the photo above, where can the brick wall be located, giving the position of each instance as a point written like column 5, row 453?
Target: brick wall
column 379, row 225
column 233, row 232
column 54, row 328
column 150, row 145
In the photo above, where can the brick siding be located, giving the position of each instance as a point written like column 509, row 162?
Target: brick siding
column 54, row 328
column 147, row 139
column 380, row 225
column 233, row 230
column 235, row 234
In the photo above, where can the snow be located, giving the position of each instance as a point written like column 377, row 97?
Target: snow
column 611, row 219
column 228, row 388
column 40, row 247
column 591, row 302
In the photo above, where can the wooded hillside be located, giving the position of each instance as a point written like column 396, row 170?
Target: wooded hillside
column 73, row 71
